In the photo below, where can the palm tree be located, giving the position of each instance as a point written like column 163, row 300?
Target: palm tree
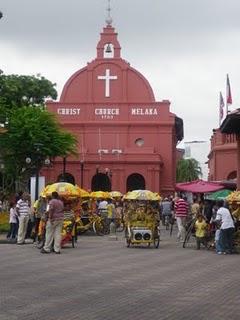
column 188, row 170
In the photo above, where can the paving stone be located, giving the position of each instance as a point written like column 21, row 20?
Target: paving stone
column 105, row 280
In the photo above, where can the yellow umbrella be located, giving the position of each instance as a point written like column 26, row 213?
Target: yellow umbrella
column 82, row 193
column 64, row 189
column 116, row 194
column 142, row 195
column 100, row 194
column 233, row 197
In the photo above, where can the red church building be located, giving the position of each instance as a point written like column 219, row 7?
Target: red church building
column 222, row 161
column 126, row 139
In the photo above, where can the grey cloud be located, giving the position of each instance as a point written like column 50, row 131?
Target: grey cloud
column 173, row 43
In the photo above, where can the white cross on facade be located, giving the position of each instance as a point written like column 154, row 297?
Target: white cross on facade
column 107, row 79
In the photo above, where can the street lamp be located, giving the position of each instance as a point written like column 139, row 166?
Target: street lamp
column 3, row 126
column 37, row 162
column 82, row 166
column 64, row 169
column 2, row 174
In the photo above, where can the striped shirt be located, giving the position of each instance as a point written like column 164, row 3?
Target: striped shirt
column 23, row 207
column 181, row 208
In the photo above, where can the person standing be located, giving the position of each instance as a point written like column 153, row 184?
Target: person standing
column 103, row 212
column 201, row 230
column 195, row 208
column 39, row 209
column 111, row 213
column 13, row 222
column 227, row 227
column 54, row 224
column 181, row 212
column 166, row 210
column 23, row 212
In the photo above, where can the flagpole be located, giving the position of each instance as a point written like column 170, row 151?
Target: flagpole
column 227, row 96
column 220, row 109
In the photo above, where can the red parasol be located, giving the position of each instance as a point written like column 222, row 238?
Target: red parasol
column 199, row 186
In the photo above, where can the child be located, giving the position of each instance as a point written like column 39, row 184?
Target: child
column 13, row 221
column 200, row 233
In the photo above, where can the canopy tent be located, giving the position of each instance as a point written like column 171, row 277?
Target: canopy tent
column 218, row 195
column 199, row 186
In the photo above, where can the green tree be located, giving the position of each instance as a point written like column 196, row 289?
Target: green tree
column 17, row 91
column 34, row 133
column 188, row 170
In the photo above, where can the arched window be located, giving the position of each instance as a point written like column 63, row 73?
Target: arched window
column 232, row 175
column 101, row 182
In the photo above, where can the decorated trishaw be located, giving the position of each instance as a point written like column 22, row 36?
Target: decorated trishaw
column 118, row 217
column 90, row 219
column 233, row 200
column 71, row 196
column 141, row 216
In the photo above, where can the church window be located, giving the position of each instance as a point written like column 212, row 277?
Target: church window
column 139, row 142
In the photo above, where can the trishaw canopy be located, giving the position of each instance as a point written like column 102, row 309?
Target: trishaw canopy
column 142, row 195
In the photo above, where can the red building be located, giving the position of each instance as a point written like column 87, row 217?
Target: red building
column 222, row 161
column 127, row 140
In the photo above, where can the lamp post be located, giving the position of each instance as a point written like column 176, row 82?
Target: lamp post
column 2, row 173
column 3, row 125
column 82, row 167
column 64, row 169
column 37, row 161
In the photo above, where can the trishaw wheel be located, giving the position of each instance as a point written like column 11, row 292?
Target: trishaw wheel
column 98, row 228
column 156, row 242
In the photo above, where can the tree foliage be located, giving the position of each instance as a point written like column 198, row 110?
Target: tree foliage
column 188, row 170
column 17, row 91
column 31, row 130
column 34, row 133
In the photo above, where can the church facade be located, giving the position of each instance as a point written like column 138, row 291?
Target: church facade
column 222, row 159
column 126, row 139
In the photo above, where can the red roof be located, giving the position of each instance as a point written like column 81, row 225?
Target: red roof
column 199, row 186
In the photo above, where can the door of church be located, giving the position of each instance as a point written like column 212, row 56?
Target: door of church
column 135, row 182
column 101, row 182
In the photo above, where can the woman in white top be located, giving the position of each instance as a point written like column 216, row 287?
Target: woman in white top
column 227, row 227
column 13, row 221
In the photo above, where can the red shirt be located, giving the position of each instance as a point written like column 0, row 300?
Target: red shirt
column 56, row 209
column 181, row 208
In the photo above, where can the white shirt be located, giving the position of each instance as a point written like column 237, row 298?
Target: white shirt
column 103, row 205
column 223, row 214
column 13, row 216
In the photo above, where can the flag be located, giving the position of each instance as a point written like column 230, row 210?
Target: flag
column 221, row 107
column 229, row 94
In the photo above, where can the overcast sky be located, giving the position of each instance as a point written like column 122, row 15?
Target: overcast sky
column 184, row 48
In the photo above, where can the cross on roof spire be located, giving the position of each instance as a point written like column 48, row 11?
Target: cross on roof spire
column 109, row 18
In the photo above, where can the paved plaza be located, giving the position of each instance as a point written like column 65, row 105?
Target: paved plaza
column 103, row 280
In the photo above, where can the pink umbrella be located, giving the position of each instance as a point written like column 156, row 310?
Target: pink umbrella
column 199, row 186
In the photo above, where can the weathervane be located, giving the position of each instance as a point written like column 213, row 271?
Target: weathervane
column 109, row 18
